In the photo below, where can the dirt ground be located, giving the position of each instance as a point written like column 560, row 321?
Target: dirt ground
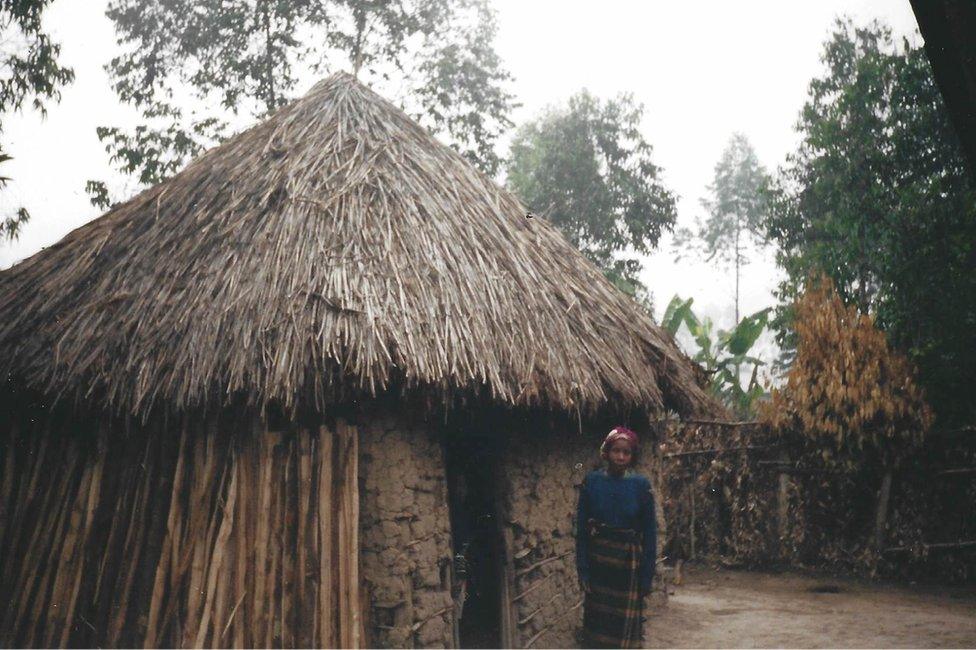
column 744, row 609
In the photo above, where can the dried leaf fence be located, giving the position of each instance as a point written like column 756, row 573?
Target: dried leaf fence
column 717, row 501
column 739, row 495
column 202, row 536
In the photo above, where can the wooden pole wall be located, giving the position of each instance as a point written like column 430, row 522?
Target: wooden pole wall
column 196, row 534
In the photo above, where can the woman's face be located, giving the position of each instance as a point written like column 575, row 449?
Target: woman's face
column 620, row 454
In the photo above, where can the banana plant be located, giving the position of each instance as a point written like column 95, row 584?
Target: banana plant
column 723, row 353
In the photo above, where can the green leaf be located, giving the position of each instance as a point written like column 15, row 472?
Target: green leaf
column 678, row 311
column 702, row 332
column 668, row 321
column 745, row 334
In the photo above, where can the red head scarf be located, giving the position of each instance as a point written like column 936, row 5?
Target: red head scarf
column 619, row 433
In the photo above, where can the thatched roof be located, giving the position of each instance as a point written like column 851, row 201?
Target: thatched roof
column 947, row 27
column 336, row 245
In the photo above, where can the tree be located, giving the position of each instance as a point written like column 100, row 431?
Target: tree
column 878, row 198
column 11, row 224
column 722, row 354
column 735, row 211
column 588, row 170
column 195, row 68
column 31, row 74
column 848, row 390
column 851, row 406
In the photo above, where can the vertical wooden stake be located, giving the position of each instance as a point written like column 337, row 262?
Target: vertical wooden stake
column 882, row 514
column 691, row 503
column 782, row 506
column 215, row 567
column 261, row 623
column 325, row 512
column 508, row 632
column 304, row 619
column 350, row 618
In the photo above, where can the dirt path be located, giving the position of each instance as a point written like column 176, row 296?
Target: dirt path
column 739, row 609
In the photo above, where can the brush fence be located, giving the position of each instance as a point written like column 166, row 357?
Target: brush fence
column 204, row 538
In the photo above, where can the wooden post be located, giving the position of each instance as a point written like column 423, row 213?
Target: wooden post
column 782, row 506
column 350, row 617
column 882, row 513
column 691, row 503
column 508, row 633
column 508, row 637
column 328, row 637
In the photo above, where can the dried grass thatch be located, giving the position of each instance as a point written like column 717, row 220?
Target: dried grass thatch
column 335, row 247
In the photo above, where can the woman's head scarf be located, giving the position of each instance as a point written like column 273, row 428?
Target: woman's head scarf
column 620, row 433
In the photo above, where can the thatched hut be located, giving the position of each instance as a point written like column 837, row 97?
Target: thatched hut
column 250, row 406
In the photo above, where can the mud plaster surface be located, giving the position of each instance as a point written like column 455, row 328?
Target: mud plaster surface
column 406, row 540
column 738, row 609
column 405, row 537
column 541, row 478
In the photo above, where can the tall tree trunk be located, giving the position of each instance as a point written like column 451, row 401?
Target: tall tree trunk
column 357, row 53
column 271, row 98
column 881, row 518
column 737, row 270
column 738, row 267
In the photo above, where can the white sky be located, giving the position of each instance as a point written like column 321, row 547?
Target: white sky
column 703, row 70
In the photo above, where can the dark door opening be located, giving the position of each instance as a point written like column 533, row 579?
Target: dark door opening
column 471, row 464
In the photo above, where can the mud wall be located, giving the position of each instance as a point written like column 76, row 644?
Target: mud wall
column 540, row 479
column 405, row 537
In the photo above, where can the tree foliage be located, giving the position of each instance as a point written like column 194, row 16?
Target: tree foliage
column 849, row 412
column 723, row 353
column 588, row 170
column 11, row 224
column 31, row 74
column 31, row 70
column 877, row 197
column 848, row 391
column 735, row 211
column 196, row 70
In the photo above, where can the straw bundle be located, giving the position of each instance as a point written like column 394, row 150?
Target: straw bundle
column 335, row 249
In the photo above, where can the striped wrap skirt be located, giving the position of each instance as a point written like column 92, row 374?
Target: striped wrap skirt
column 612, row 610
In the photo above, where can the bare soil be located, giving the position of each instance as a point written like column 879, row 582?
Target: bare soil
column 721, row 608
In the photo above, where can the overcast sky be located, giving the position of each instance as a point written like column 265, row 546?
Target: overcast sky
column 703, row 70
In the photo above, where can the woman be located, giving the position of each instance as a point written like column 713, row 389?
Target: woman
column 616, row 545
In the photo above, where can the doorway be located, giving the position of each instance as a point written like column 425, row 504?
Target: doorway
column 472, row 460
